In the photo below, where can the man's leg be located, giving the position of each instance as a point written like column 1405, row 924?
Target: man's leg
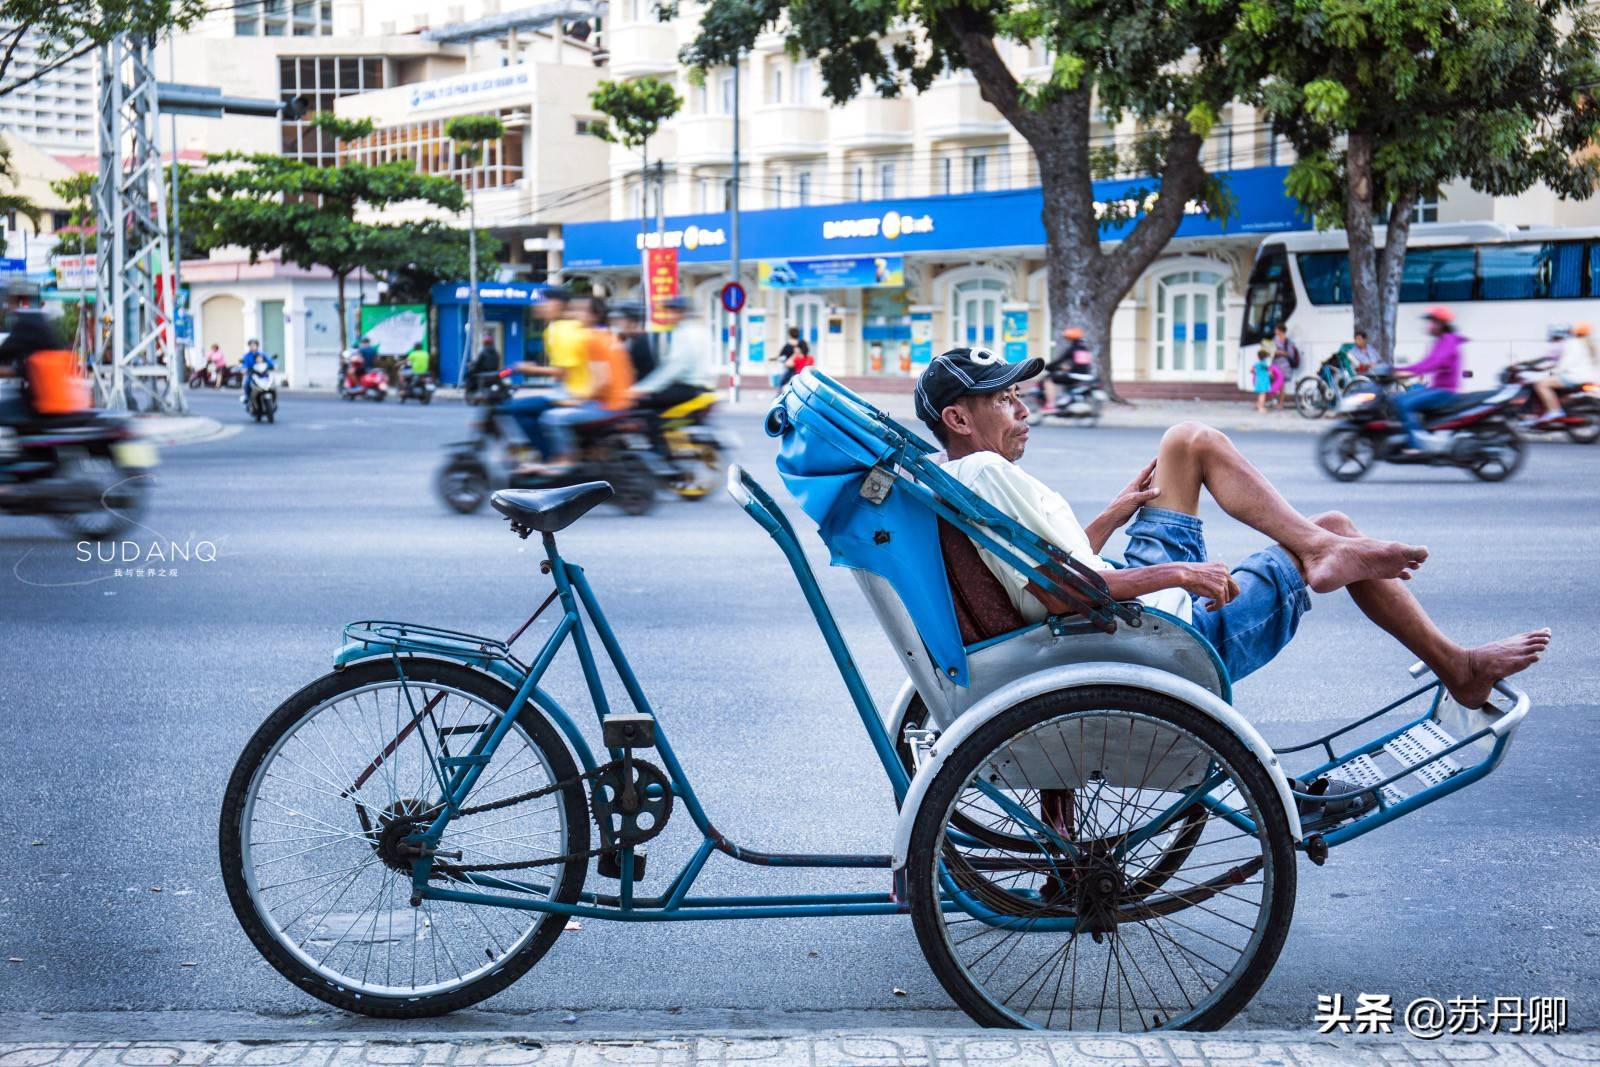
column 525, row 411
column 1408, row 404
column 1468, row 673
column 1195, row 456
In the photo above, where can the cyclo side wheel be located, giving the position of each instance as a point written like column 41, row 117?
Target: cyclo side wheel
column 1085, row 929
column 313, row 829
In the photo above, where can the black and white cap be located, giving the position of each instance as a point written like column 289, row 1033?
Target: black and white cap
column 965, row 372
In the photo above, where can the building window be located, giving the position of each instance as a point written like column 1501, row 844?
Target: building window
column 777, row 190
column 975, row 312
column 859, row 185
column 1425, row 210
column 802, row 187
column 322, row 79
column 775, row 86
column 1190, row 312
column 425, row 145
column 947, row 175
column 886, row 185
column 725, row 91
column 801, row 90
column 977, row 171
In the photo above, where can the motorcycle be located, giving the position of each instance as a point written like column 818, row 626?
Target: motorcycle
column 414, row 386
column 87, row 472
column 1580, row 402
column 263, row 403
column 354, row 381
column 1078, row 398
column 617, row 450
column 685, row 440
column 1476, row 431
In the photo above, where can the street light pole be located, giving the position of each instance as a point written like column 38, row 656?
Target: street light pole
column 733, row 244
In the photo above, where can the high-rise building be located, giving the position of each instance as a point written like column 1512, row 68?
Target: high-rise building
column 54, row 112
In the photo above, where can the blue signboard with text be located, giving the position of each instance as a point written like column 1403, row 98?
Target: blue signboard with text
column 1008, row 218
column 843, row 272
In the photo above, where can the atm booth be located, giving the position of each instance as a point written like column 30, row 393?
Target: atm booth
column 507, row 310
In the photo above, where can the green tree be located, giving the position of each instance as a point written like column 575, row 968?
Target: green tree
column 319, row 216
column 14, row 200
column 635, row 111
column 1387, row 101
column 78, row 194
column 64, row 26
column 1157, row 62
column 470, row 133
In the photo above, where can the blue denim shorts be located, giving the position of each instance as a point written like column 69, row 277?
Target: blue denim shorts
column 1252, row 627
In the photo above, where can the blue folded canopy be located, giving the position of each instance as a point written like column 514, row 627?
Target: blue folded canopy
column 830, row 442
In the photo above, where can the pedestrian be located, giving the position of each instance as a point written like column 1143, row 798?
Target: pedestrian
column 1262, row 375
column 795, row 356
column 1285, row 361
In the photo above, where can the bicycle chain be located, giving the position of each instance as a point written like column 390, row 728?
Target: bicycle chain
column 454, row 869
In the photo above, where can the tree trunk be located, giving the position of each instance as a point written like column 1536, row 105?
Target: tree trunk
column 1085, row 284
column 344, row 322
column 1391, row 266
column 1365, row 300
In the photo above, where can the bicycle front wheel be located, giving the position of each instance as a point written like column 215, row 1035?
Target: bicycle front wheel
column 314, row 827
column 1159, row 881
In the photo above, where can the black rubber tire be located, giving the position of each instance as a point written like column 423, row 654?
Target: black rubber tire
column 1333, row 440
column 1589, row 432
column 1499, row 473
column 472, row 476
column 559, row 759
column 426, row 398
column 633, row 484
column 1311, row 398
column 927, row 833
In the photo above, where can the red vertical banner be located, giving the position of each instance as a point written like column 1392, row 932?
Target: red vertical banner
column 661, row 276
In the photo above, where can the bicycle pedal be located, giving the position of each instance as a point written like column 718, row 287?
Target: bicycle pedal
column 628, row 730
column 609, row 863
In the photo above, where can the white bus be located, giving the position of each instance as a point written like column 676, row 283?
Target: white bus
column 1507, row 287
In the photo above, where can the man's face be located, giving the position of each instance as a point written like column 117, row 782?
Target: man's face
column 550, row 310
column 990, row 422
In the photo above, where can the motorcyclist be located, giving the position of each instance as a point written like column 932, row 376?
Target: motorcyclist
column 29, row 330
column 1072, row 365
column 684, row 373
column 1442, row 364
column 628, row 320
column 1577, row 364
column 418, row 359
column 566, row 359
column 253, row 356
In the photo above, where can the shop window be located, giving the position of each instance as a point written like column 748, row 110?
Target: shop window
column 975, row 312
column 1190, row 336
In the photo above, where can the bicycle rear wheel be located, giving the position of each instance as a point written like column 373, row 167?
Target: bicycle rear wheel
column 314, row 821
column 1129, row 912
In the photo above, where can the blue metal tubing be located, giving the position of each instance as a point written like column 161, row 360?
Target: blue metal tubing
column 766, row 513
column 1326, row 739
column 692, row 909
column 1389, row 813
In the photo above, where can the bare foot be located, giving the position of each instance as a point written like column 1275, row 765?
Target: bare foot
column 1356, row 559
column 1488, row 664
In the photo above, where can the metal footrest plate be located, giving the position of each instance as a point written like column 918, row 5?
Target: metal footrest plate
column 1362, row 771
column 1419, row 748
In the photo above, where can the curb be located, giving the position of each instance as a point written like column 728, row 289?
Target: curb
column 875, row 1047
column 171, row 430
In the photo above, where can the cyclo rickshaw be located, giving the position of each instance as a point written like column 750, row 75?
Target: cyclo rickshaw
column 1090, row 835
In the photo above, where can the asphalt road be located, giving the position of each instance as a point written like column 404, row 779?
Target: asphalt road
column 127, row 700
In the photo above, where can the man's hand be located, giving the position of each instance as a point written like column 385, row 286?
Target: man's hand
column 1209, row 580
column 1135, row 495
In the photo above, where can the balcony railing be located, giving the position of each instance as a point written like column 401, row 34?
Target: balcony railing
column 640, row 48
column 704, row 139
column 789, row 130
column 870, row 121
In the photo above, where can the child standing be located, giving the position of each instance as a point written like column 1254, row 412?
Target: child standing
column 1263, row 373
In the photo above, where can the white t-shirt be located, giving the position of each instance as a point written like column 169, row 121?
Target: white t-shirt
column 1030, row 503
column 1578, row 361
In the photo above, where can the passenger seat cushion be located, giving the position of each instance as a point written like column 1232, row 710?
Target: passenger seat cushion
column 983, row 609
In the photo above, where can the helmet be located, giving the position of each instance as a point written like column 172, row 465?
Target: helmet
column 1441, row 314
column 1581, row 329
column 1073, row 333
column 681, row 304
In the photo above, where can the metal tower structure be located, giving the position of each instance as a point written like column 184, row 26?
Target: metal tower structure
column 136, row 365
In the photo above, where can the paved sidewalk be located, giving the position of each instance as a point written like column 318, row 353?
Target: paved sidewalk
column 868, row 1048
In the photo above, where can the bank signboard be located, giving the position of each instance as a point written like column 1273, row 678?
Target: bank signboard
column 1005, row 219
column 837, row 272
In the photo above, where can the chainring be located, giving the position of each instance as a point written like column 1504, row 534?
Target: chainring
column 623, row 824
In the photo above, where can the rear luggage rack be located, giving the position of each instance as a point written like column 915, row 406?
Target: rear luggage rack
column 410, row 637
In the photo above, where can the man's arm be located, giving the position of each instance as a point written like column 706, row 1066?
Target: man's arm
column 1209, row 580
column 1122, row 507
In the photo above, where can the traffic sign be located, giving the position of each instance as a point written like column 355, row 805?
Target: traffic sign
column 733, row 297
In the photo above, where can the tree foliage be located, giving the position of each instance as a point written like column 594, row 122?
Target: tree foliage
column 1387, row 101
column 65, row 25
column 78, row 194
column 471, row 132
column 1160, row 64
column 322, row 216
column 635, row 110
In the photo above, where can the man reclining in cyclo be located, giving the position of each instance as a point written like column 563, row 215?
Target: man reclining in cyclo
column 969, row 399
